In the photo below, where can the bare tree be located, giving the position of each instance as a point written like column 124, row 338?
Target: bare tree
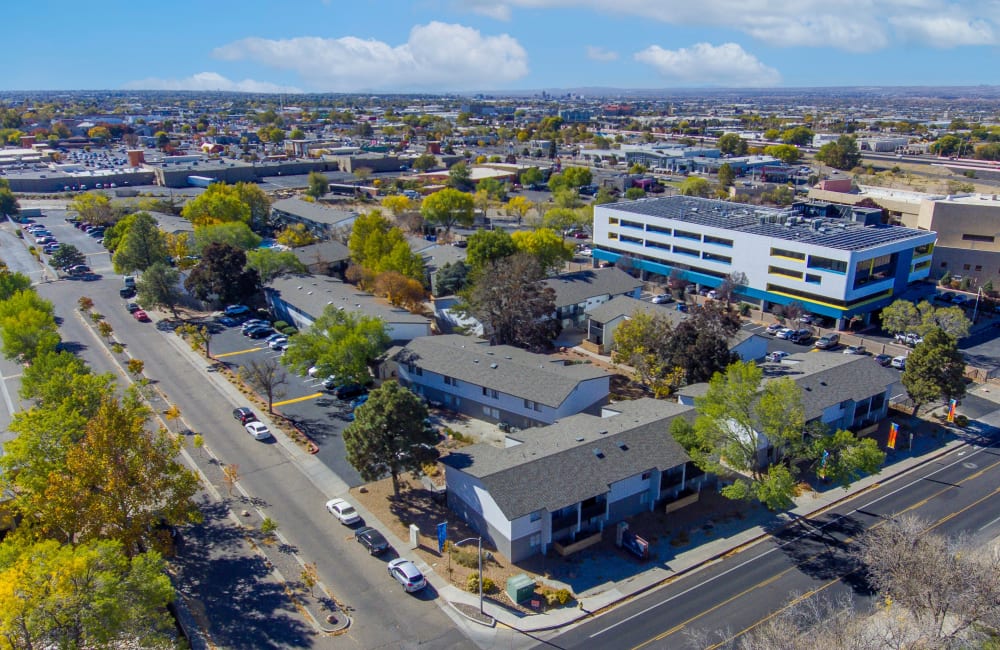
column 267, row 377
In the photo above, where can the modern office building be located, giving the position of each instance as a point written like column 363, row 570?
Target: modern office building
column 840, row 267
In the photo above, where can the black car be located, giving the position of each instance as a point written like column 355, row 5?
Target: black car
column 349, row 391
column 372, row 540
column 244, row 414
column 126, row 292
column 883, row 360
column 260, row 332
column 132, row 307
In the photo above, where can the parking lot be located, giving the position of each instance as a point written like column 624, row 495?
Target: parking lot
column 314, row 409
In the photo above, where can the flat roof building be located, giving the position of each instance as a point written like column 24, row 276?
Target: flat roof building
column 835, row 267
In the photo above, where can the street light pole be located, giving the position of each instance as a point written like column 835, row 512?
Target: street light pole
column 479, row 541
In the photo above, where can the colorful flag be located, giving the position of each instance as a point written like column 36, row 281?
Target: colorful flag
column 893, row 432
column 951, row 410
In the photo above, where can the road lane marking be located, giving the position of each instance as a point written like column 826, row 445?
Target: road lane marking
column 780, row 545
column 233, row 354
column 298, row 399
column 990, row 523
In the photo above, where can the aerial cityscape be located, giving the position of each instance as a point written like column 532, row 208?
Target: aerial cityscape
column 516, row 324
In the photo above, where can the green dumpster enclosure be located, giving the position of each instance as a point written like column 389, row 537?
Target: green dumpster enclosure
column 520, row 587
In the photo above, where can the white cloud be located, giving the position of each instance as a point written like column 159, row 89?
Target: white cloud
column 945, row 31
column 436, row 55
column 706, row 64
column 209, row 81
column 851, row 25
column 488, row 8
column 600, row 54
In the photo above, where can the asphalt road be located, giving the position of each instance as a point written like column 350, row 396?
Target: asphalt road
column 957, row 494
column 383, row 615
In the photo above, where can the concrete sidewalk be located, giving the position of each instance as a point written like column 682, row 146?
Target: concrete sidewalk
column 693, row 558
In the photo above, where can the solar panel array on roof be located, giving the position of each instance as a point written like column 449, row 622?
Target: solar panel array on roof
column 840, row 234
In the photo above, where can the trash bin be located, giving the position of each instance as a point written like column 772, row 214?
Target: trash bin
column 520, row 587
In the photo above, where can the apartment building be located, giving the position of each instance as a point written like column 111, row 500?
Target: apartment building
column 834, row 266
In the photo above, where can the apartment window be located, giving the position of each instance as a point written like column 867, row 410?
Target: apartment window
column 923, row 250
column 944, row 265
column 612, row 235
column 489, row 392
column 630, row 240
column 709, row 239
column 813, row 279
column 922, row 265
column 979, row 267
column 966, row 267
column 535, row 540
column 451, row 381
column 989, row 239
column 680, row 250
column 781, row 252
column 653, row 244
column 712, row 257
column 534, row 406
column 687, row 234
column 788, row 273
column 632, row 224
column 613, row 221
column 490, row 412
column 659, row 229
column 827, row 264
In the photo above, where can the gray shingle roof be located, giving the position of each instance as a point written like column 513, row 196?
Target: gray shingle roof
column 559, row 465
column 574, row 288
column 311, row 294
column 315, row 212
column 328, row 252
column 629, row 306
column 513, row 371
column 826, row 379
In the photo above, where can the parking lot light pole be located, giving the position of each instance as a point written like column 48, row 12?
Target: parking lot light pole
column 479, row 540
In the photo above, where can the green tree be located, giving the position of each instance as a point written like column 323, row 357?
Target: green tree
column 389, row 435
column 638, row 342
column 732, row 144
column 234, row 233
column 577, row 177
column 219, row 203
column 296, row 235
column 603, row 196
column 398, row 204
column 726, row 175
column 11, row 283
column 448, row 208
column 221, row 276
column 425, row 162
column 159, row 286
column 947, row 145
column 799, row 135
column 532, row 176
column 786, row 153
column 27, row 326
column 513, row 305
column 451, row 278
column 378, row 246
column 141, row 246
column 93, row 208
column 67, row 255
column 493, row 188
column 842, row 154
column 257, row 200
column 9, row 206
column 318, row 185
column 695, row 186
column 736, row 419
column 89, row 595
column 544, row 245
column 340, row 343
column 519, row 206
column 562, row 220
column 486, row 246
column 460, row 177
column 842, row 457
column 935, row 369
column 903, row 316
column 270, row 263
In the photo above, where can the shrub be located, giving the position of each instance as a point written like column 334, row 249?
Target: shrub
column 280, row 325
column 964, row 284
column 745, row 308
column 288, row 330
column 468, row 559
column 961, row 421
column 564, row 596
column 946, row 279
column 472, row 584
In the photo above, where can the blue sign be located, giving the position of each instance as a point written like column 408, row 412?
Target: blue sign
column 442, row 536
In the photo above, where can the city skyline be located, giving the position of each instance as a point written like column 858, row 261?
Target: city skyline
column 481, row 45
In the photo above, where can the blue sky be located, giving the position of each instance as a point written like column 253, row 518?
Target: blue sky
column 468, row 45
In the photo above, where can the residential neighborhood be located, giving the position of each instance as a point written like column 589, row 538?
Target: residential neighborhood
column 508, row 369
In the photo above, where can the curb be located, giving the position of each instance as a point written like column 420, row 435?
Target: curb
column 734, row 549
column 492, row 624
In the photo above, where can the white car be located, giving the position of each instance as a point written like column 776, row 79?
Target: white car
column 785, row 333
column 406, row 574
column 777, row 356
column 343, row 511
column 774, row 328
column 258, row 430
column 662, row 299
column 855, row 349
column 279, row 345
column 899, row 363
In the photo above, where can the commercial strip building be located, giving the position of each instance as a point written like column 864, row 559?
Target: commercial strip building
column 834, row 266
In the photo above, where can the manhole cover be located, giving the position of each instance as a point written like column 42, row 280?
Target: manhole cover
column 969, row 465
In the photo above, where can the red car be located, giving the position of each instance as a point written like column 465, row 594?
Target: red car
column 141, row 316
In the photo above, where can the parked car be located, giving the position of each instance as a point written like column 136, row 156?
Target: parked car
column 828, row 341
column 244, row 414
column 662, row 299
column 855, row 349
column 127, row 292
column 260, row 332
column 141, row 316
column 785, row 333
column 253, row 322
column 806, row 318
column 406, row 574
column 883, row 360
column 372, row 540
column 258, row 430
column 774, row 328
column 343, row 511
column 275, row 337
column 777, row 356
column 898, row 363
column 349, row 391
column 236, row 310
column 801, row 336
column 358, row 401
column 944, row 297
column 279, row 343
column 911, row 339
column 132, row 307
column 330, row 382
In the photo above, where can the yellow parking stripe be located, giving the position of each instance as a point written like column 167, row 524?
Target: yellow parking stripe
column 298, row 399
column 233, row 354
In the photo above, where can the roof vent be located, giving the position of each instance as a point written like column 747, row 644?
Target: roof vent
column 475, row 361
column 598, row 453
column 603, row 433
column 493, row 365
column 580, row 439
column 621, row 445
